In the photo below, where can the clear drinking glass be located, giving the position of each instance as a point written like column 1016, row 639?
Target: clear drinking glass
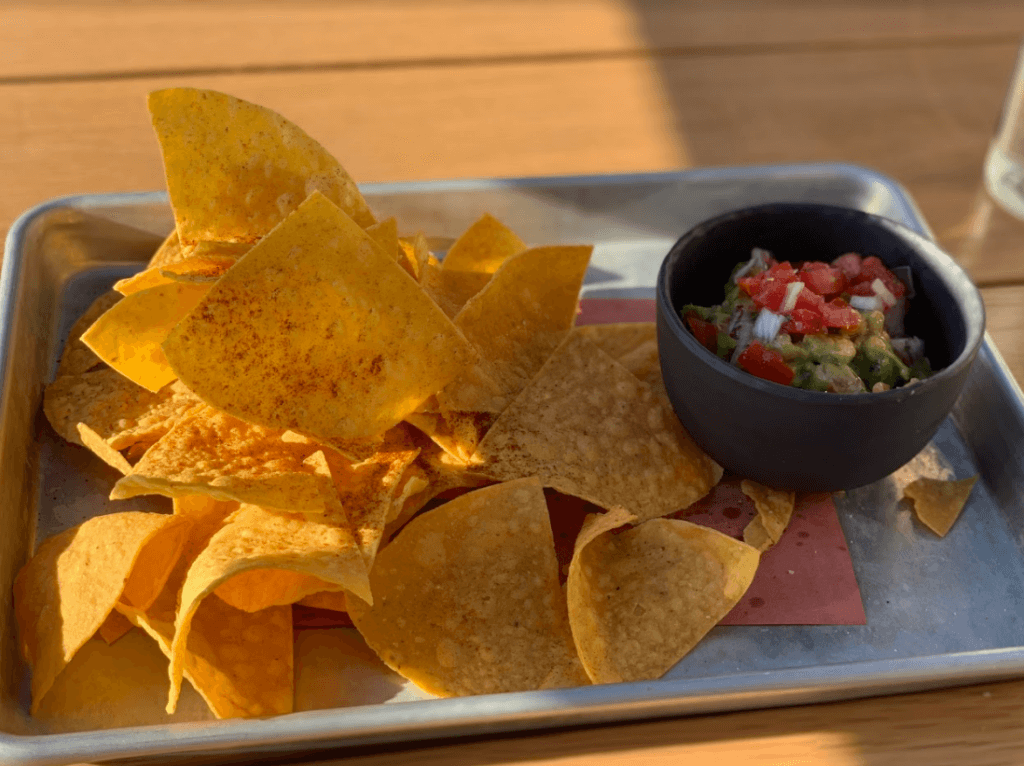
column 1004, row 163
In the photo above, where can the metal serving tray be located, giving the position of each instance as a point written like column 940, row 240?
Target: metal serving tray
column 939, row 612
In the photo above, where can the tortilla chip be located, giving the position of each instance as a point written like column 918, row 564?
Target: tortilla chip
column 641, row 599
column 587, row 427
column 141, row 281
column 457, row 433
column 367, row 489
column 318, row 331
column 258, row 539
column 774, row 509
column 469, row 263
column 417, row 253
column 66, row 591
column 208, row 250
column 220, row 669
column 212, row 453
column 235, row 170
column 634, row 345
column 385, row 234
column 261, row 588
column 938, row 502
column 191, row 269
column 128, row 336
column 483, row 247
column 334, row 601
column 95, row 444
column 517, row 320
column 169, row 252
column 114, row 627
column 450, row 290
column 113, row 687
column 77, row 357
column 118, row 411
column 467, row 599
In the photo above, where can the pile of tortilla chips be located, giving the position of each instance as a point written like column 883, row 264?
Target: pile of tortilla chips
column 303, row 382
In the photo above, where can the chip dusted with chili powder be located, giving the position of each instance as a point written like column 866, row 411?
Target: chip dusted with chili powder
column 317, row 330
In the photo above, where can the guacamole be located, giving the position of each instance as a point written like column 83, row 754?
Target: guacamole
column 820, row 326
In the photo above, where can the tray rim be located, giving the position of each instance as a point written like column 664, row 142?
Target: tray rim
column 504, row 713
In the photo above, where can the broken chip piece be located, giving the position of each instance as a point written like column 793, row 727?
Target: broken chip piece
column 938, row 502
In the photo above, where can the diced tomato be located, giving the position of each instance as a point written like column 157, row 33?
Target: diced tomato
column 839, row 314
column 861, row 288
column 849, row 264
column 872, row 268
column 771, row 294
column 750, row 285
column 783, row 271
column 765, row 363
column 705, row 332
column 804, row 322
column 822, row 278
column 809, row 300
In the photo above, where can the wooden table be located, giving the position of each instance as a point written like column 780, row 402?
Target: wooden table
column 417, row 90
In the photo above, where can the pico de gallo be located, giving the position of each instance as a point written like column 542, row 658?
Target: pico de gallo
column 821, row 326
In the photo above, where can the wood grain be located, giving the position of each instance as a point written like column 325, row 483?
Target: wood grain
column 154, row 38
column 921, row 115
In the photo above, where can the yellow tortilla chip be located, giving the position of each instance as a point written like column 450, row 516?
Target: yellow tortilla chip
column 938, row 502
column 128, row 336
column 113, row 628
column 212, row 453
column 141, row 281
column 113, row 687
column 774, row 510
column 417, row 253
column 258, row 539
column 457, row 433
column 195, row 268
column 318, row 331
column 208, row 250
column 385, row 234
column 118, row 411
column 634, row 345
column 467, row 598
column 169, row 252
column 469, row 263
column 587, row 427
column 367, row 489
column 335, row 601
column 235, row 170
column 641, row 599
column 66, row 591
column 261, row 588
column 77, row 357
column 96, row 444
column 483, row 247
column 224, row 644
column 517, row 320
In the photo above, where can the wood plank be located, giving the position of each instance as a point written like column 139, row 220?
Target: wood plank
column 978, row 725
column 1004, row 315
column 161, row 38
column 923, row 116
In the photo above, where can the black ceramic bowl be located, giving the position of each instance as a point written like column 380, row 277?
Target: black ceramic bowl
column 791, row 438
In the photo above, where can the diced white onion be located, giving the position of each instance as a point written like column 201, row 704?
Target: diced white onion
column 866, row 303
column 793, row 290
column 758, row 259
column 883, row 292
column 768, row 325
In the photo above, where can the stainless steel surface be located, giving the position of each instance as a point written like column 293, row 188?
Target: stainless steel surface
column 940, row 612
